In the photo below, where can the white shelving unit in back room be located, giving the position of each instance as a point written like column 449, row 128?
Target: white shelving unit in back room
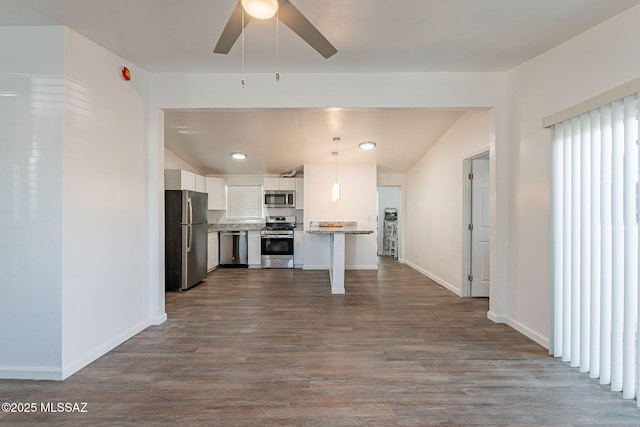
column 390, row 236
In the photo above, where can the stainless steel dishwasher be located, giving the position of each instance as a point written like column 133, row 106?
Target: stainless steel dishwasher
column 234, row 249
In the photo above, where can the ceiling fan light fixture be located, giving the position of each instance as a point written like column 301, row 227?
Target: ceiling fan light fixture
column 260, row 9
column 367, row 145
column 238, row 156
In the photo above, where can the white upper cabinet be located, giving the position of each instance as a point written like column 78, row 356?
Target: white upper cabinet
column 299, row 193
column 271, row 184
column 217, row 191
column 201, row 184
column 279, row 184
column 178, row 179
column 287, row 184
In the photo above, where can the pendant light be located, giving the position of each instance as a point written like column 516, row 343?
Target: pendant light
column 335, row 189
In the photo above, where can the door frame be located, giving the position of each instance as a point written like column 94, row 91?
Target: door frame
column 466, row 220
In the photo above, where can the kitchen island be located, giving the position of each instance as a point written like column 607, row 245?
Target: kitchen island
column 337, row 231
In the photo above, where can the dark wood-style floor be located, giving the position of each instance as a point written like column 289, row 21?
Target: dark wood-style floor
column 275, row 348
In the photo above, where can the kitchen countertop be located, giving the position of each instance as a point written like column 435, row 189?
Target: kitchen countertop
column 241, row 226
column 336, row 227
column 236, row 226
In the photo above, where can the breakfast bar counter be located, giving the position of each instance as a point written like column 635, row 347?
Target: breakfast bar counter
column 337, row 231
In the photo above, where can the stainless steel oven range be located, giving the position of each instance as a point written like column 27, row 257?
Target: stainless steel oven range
column 276, row 242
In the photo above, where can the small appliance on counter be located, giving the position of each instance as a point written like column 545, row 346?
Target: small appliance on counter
column 185, row 239
column 276, row 242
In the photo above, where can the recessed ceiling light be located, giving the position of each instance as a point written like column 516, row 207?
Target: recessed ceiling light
column 239, row 156
column 367, row 145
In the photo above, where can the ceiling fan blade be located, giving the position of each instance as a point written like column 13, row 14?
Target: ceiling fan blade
column 232, row 30
column 296, row 21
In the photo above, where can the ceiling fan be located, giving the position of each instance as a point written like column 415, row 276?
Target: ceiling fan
column 288, row 15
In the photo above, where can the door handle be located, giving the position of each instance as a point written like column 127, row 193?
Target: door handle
column 190, row 210
column 190, row 237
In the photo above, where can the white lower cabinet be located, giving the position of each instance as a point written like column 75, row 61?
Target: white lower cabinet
column 213, row 251
column 253, row 249
column 298, row 248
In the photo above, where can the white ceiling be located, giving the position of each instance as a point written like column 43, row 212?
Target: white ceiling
column 278, row 141
column 370, row 36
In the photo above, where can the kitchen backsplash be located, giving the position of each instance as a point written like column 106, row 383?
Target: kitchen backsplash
column 220, row 217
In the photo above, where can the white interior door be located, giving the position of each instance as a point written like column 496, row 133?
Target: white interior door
column 480, row 230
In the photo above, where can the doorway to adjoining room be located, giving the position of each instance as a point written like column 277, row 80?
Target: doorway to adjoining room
column 388, row 214
column 476, row 238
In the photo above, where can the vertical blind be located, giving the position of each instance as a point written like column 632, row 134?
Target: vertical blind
column 595, row 204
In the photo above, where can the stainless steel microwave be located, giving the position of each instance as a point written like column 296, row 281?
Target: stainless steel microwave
column 279, row 199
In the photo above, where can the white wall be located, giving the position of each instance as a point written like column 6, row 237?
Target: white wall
column 596, row 61
column 73, row 175
column 357, row 203
column 171, row 161
column 105, row 299
column 434, row 200
column 31, row 132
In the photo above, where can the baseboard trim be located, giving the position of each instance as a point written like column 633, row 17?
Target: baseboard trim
column 448, row 286
column 72, row 368
column 30, row 373
column 496, row 318
column 524, row 330
column 361, row 267
column 315, row 267
column 59, row 374
column 158, row 320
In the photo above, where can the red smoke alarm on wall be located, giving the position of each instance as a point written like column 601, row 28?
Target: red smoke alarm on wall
column 126, row 74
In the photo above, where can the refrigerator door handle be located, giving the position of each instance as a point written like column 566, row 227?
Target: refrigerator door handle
column 190, row 204
column 190, row 237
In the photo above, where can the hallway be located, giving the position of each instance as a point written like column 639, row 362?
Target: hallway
column 275, row 348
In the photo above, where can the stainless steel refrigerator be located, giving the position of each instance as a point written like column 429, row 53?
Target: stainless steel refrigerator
column 185, row 239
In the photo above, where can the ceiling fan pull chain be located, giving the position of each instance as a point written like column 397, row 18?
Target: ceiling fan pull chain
column 243, row 48
column 277, row 46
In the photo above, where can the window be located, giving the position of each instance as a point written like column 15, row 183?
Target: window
column 595, row 243
column 244, row 202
